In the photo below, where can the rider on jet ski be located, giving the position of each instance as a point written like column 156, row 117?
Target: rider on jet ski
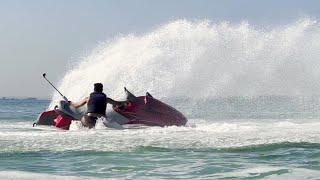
column 96, row 105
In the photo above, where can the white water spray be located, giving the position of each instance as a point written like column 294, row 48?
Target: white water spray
column 202, row 60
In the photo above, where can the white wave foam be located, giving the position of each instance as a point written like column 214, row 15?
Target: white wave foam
column 11, row 175
column 204, row 135
column 202, row 59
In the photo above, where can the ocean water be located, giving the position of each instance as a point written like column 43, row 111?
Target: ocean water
column 250, row 94
column 225, row 138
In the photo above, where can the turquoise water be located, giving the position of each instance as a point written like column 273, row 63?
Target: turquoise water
column 225, row 138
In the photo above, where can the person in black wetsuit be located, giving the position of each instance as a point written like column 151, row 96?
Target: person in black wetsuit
column 96, row 105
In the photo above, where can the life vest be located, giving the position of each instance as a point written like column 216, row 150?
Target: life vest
column 97, row 103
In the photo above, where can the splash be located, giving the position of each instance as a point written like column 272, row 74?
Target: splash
column 202, row 60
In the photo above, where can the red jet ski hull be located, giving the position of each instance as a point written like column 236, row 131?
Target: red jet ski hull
column 144, row 110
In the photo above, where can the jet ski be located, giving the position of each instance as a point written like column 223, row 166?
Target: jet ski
column 144, row 110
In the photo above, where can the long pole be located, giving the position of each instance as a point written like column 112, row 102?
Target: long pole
column 44, row 75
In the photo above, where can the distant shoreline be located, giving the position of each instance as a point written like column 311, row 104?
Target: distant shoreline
column 23, row 98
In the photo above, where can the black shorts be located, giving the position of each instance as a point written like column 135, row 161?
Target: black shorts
column 92, row 120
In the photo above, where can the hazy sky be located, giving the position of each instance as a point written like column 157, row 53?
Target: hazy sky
column 39, row 36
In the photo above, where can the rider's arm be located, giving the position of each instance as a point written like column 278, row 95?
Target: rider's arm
column 80, row 103
column 116, row 103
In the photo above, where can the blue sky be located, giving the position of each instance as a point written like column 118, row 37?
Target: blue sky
column 39, row 36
